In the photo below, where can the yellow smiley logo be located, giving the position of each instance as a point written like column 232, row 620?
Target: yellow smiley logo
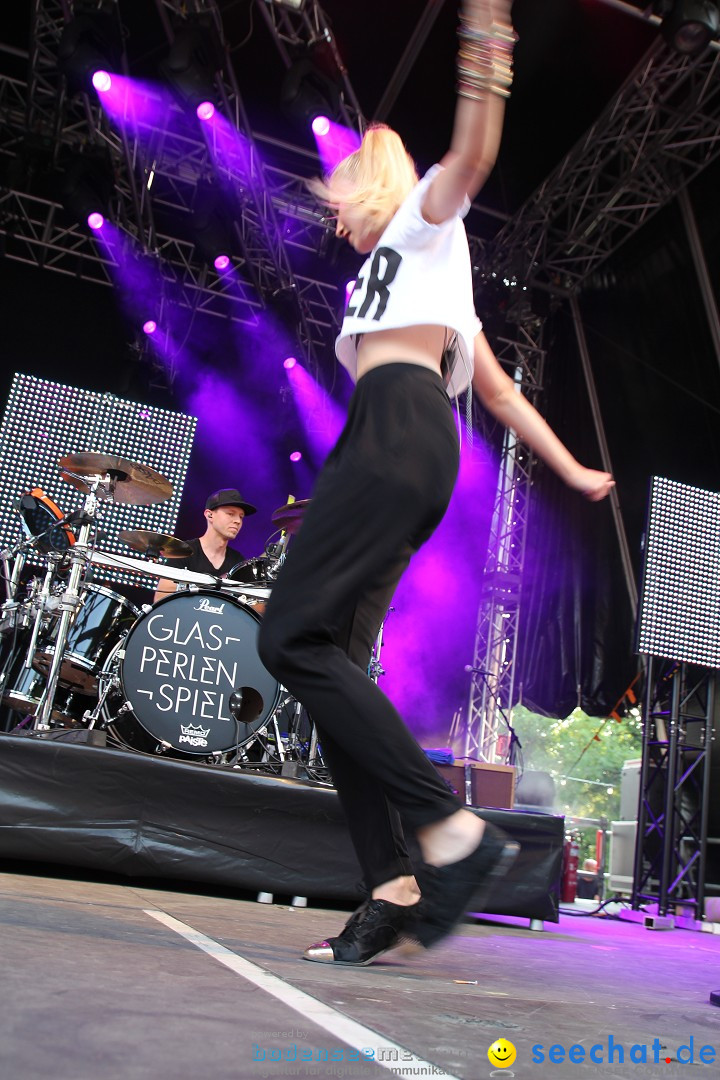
column 502, row 1054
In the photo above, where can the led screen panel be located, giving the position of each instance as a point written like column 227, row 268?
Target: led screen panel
column 45, row 421
column 679, row 616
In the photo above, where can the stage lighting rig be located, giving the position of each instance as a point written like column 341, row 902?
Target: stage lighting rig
column 689, row 25
column 87, row 187
column 194, row 59
column 212, row 226
column 294, row 5
column 308, row 93
column 90, row 42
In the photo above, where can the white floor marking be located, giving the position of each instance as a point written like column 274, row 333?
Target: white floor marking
column 342, row 1027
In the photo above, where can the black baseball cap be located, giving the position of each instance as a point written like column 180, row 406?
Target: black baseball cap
column 229, row 497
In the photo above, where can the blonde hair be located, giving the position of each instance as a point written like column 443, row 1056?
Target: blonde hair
column 380, row 174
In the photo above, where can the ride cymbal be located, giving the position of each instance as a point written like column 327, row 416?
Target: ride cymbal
column 155, row 543
column 290, row 516
column 129, row 482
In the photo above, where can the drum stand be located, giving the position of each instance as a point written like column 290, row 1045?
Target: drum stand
column 11, row 609
column 68, row 606
column 375, row 668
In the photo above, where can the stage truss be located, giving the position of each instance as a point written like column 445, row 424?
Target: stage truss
column 658, row 133
column 661, row 129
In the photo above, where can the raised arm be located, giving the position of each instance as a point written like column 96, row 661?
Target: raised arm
column 498, row 394
column 484, row 76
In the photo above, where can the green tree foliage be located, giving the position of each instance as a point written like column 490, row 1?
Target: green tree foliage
column 584, row 755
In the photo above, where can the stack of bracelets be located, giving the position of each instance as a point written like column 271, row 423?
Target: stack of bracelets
column 484, row 63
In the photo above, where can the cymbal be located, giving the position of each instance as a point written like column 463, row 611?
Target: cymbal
column 157, row 543
column 130, row 482
column 290, row 516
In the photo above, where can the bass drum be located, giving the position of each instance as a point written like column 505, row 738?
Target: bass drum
column 187, row 680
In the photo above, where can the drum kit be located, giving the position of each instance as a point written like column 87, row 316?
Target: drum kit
column 180, row 678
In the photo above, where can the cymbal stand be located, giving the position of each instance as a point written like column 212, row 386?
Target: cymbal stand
column 375, row 668
column 69, row 603
column 12, row 577
column 12, row 606
column 41, row 603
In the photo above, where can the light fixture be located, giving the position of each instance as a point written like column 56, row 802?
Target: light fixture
column 294, row 5
column 89, row 42
column 321, row 126
column 205, row 110
column 102, row 81
column 308, row 94
column 689, row 25
column 87, row 187
column 212, row 226
column 195, row 57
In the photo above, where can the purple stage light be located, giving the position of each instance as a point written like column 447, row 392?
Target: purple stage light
column 289, row 363
column 335, row 143
column 321, row 126
column 149, row 326
column 95, row 220
column 101, row 81
column 296, row 456
column 222, row 262
column 205, row 110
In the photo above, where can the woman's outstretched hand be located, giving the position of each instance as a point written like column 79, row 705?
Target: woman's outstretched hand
column 591, row 483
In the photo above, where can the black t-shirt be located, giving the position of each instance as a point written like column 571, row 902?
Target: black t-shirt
column 200, row 564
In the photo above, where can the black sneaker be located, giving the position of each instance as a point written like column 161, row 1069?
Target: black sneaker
column 449, row 891
column 376, row 927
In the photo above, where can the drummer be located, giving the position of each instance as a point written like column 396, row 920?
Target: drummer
column 225, row 511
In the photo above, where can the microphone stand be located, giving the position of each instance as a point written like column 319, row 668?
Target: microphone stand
column 514, row 740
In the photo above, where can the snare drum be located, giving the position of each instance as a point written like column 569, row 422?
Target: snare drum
column 99, row 624
column 261, row 571
column 188, row 679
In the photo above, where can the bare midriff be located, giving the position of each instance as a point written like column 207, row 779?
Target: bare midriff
column 421, row 345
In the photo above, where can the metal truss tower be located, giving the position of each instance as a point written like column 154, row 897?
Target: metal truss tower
column 670, row 852
column 485, row 733
column 658, row 133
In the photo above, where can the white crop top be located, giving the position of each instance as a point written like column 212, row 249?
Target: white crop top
column 417, row 274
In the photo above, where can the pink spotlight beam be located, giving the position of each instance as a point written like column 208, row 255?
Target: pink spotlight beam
column 102, row 81
column 335, row 144
column 205, row 110
column 320, row 126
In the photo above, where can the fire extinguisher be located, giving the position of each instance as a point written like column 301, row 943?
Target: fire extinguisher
column 571, row 860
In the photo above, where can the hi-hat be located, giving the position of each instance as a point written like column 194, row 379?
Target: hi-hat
column 155, row 543
column 129, row 482
column 290, row 516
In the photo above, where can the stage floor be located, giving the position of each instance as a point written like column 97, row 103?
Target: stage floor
column 99, row 981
